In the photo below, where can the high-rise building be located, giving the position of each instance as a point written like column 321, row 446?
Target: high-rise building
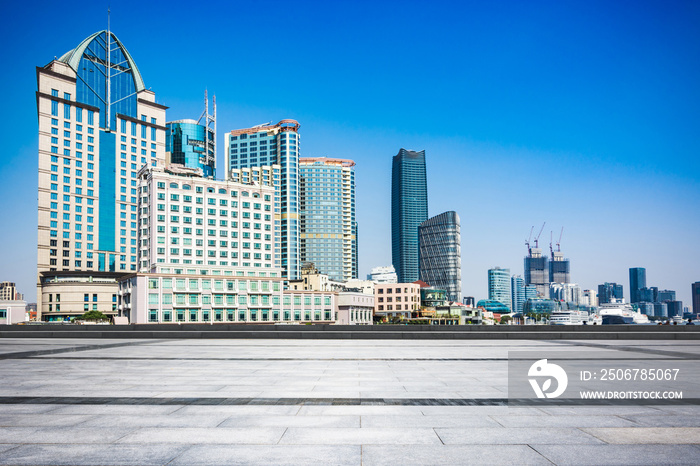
column 660, row 310
column 98, row 125
column 191, row 222
column 206, row 255
column 385, row 274
column 440, row 256
column 327, row 213
column 409, row 208
column 8, row 291
column 565, row 292
column 499, row 286
column 666, row 295
column 517, row 292
column 646, row 308
column 530, row 292
column 266, row 145
column 537, row 271
column 609, row 291
column 638, row 281
column 675, row 308
column 648, row 294
column 589, row 298
column 695, row 290
column 559, row 268
column 193, row 143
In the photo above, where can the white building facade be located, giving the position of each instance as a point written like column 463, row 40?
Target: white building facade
column 383, row 275
column 13, row 312
column 206, row 255
column 355, row 308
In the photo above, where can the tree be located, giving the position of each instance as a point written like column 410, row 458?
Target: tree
column 93, row 315
column 505, row 319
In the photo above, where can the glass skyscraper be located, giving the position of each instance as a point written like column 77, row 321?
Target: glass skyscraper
column 98, row 126
column 186, row 142
column 638, row 280
column 409, row 208
column 193, row 144
column 440, row 256
column 517, row 292
column 499, row 286
column 608, row 291
column 327, row 213
column 267, row 145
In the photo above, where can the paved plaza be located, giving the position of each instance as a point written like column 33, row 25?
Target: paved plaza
column 349, row 402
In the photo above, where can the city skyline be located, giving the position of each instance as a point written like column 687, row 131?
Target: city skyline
column 620, row 134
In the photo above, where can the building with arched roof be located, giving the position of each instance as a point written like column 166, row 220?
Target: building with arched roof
column 98, row 126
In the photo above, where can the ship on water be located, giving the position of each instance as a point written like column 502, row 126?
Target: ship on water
column 621, row 313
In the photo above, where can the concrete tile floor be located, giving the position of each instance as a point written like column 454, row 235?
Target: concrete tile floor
column 199, row 402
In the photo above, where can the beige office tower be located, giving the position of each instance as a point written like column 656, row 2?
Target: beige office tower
column 98, row 126
column 327, row 212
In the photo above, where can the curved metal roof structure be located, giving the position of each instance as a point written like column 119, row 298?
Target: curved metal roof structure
column 72, row 58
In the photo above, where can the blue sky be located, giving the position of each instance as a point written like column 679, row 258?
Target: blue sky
column 581, row 114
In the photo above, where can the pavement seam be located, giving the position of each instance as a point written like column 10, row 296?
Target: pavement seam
column 114, row 442
column 281, row 436
column 178, row 455
column 438, row 436
column 539, row 453
column 583, row 429
column 490, row 416
column 219, row 424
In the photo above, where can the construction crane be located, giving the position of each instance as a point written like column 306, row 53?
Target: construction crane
column 527, row 241
column 551, row 251
column 559, row 242
column 537, row 240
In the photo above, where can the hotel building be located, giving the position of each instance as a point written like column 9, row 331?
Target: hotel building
column 98, row 125
column 206, row 254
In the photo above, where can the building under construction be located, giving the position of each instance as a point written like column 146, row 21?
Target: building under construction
column 559, row 268
column 537, row 266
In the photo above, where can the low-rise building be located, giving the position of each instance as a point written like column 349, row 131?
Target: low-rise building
column 433, row 297
column 13, row 311
column 222, row 296
column 396, row 299
column 470, row 315
column 364, row 286
column 355, row 308
column 68, row 294
column 313, row 280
